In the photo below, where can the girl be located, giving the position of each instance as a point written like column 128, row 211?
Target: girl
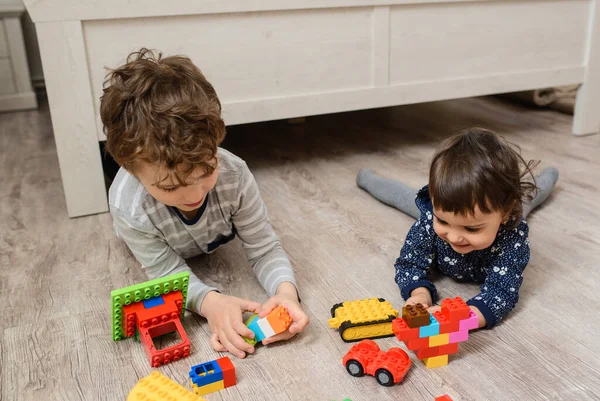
column 470, row 221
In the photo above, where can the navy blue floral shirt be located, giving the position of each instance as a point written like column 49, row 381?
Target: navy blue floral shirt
column 499, row 267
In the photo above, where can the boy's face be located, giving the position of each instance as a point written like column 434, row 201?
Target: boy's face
column 165, row 188
column 467, row 233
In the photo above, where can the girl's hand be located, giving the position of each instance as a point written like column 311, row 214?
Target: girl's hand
column 421, row 296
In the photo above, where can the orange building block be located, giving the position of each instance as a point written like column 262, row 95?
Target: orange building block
column 445, row 397
column 279, row 319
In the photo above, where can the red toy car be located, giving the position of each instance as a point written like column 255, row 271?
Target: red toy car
column 366, row 358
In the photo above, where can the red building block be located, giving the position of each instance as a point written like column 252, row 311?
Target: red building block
column 160, row 313
column 448, row 349
column 164, row 356
column 419, row 343
column 228, row 371
column 445, row 397
column 446, row 325
column 428, row 352
column 129, row 319
column 403, row 332
column 455, row 309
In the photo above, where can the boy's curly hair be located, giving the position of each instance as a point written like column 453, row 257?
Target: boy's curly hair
column 162, row 111
column 479, row 168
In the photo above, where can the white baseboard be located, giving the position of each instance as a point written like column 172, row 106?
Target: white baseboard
column 20, row 101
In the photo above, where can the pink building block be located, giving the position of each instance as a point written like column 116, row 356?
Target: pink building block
column 470, row 323
column 459, row 336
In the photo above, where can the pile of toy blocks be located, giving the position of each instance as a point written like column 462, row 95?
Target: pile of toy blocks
column 153, row 309
column 435, row 336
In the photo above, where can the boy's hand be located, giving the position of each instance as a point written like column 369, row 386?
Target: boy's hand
column 286, row 296
column 224, row 315
column 421, row 296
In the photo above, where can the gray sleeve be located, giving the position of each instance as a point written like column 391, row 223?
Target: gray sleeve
column 157, row 258
column 263, row 249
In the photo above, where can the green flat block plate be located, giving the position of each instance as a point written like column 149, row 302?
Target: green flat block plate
column 142, row 291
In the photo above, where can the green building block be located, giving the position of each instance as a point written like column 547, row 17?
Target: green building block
column 140, row 292
column 251, row 341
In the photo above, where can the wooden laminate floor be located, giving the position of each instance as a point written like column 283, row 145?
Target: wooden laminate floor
column 56, row 273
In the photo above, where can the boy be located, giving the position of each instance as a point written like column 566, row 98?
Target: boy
column 178, row 194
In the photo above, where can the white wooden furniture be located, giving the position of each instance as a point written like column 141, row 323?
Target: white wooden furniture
column 16, row 92
column 273, row 59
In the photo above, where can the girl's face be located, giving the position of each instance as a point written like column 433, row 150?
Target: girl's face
column 170, row 192
column 467, row 233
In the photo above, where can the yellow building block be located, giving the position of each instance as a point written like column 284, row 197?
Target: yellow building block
column 209, row 388
column 156, row 387
column 436, row 361
column 440, row 339
column 363, row 311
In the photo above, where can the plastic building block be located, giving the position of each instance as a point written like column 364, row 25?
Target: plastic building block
column 362, row 319
column 208, row 388
column 136, row 315
column 403, row 332
column 166, row 355
column 366, row 358
column 436, row 361
column 156, row 387
column 428, row 352
column 228, row 370
column 432, row 329
column 455, row 309
column 459, row 336
column 440, row 339
column 212, row 376
column 415, row 315
column 248, row 322
column 446, row 325
column 152, row 302
column 139, row 292
column 472, row 322
column 445, row 397
column 441, row 336
column 279, row 319
column 419, row 343
column 448, row 349
column 274, row 323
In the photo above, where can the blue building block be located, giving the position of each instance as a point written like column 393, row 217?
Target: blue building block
column 258, row 333
column 154, row 301
column 432, row 330
column 206, row 373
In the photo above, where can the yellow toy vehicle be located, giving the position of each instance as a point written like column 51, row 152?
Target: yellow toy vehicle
column 359, row 320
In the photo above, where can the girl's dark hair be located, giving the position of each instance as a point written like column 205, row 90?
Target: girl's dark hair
column 479, row 168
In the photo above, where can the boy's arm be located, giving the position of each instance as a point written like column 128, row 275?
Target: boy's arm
column 416, row 257
column 157, row 258
column 500, row 291
column 263, row 249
